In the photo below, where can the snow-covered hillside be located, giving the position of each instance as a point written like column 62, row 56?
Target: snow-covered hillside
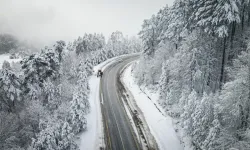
column 6, row 57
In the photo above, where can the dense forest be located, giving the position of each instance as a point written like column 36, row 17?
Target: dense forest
column 44, row 98
column 197, row 53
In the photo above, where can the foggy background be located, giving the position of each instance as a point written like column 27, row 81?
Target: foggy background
column 44, row 21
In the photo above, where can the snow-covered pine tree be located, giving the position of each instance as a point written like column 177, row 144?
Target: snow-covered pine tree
column 10, row 90
column 189, row 109
column 134, row 45
column 79, row 108
column 116, row 42
column 89, row 43
column 149, row 34
column 110, row 53
column 52, row 94
column 202, row 118
column 70, row 46
column 211, row 142
column 79, row 45
column 201, row 14
column 178, row 15
column 214, row 17
column 102, row 56
column 164, row 83
column 59, row 48
column 235, row 102
column 67, row 137
column 37, row 69
column 80, row 104
column 85, row 66
column 56, row 136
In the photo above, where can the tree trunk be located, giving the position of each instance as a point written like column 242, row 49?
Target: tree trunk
column 248, row 103
column 247, row 117
column 243, row 15
column 223, row 63
column 13, row 106
column 242, row 117
column 249, row 16
column 233, row 33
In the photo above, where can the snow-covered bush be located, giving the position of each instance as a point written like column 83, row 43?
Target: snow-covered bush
column 56, row 136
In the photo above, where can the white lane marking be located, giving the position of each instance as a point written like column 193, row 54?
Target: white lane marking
column 102, row 98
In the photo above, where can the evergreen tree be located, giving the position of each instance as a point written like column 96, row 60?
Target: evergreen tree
column 10, row 90
column 56, row 136
column 196, row 47
column 79, row 107
column 164, row 82
column 59, row 48
column 149, row 34
column 211, row 143
column 189, row 108
column 80, row 104
column 52, row 94
column 89, row 43
column 37, row 69
column 202, row 118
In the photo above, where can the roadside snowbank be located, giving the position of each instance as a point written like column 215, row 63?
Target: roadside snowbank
column 159, row 123
column 93, row 137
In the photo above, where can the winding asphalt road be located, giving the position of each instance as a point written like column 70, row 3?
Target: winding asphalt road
column 119, row 134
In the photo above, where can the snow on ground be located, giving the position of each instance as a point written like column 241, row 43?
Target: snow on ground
column 159, row 123
column 6, row 57
column 93, row 137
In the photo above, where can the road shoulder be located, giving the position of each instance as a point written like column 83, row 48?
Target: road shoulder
column 160, row 125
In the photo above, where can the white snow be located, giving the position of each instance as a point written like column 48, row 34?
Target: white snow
column 161, row 125
column 131, row 120
column 93, row 137
column 6, row 57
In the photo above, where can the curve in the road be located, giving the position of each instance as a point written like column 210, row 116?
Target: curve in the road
column 118, row 130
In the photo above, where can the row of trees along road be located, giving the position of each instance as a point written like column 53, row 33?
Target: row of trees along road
column 197, row 54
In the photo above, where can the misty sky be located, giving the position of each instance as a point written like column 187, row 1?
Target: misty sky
column 49, row 20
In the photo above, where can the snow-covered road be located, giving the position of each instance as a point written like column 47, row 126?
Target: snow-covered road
column 93, row 137
column 160, row 125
